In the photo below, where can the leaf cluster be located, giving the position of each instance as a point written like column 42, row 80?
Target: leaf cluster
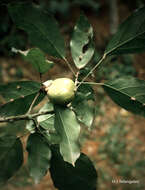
column 54, row 131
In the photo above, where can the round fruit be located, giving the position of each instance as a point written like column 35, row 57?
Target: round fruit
column 61, row 91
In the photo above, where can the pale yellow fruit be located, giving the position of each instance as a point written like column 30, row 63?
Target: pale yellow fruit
column 61, row 91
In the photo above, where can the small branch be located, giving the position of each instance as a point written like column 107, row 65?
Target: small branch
column 33, row 102
column 68, row 64
column 24, row 117
column 101, row 60
column 77, row 75
column 92, row 83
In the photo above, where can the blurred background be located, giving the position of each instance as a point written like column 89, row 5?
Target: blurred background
column 116, row 142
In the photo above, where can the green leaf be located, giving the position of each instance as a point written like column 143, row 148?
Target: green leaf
column 50, row 135
column 47, row 121
column 130, row 37
column 85, row 92
column 37, row 58
column 82, row 47
column 17, row 128
column 19, row 96
column 84, row 112
column 47, row 107
column 17, row 107
column 127, row 92
column 30, row 126
column 42, row 28
column 68, row 128
column 16, row 90
column 11, row 157
column 39, row 155
column 83, row 104
column 66, row 177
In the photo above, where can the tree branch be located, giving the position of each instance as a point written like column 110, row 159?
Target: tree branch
column 69, row 66
column 114, row 20
column 24, row 117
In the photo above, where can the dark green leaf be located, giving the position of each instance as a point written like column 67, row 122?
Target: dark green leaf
column 38, row 157
column 66, row 177
column 37, row 58
column 17, row 128
column 11, row 157
column 127, row 92
column 84, row 112
column 83, row 104
column 130, row 37
column 68, row 128
column 17, row 107
column 42, row 28
column 86, row 92
column 50, row 135
column 16, row 90
column 19, row 96
column 82, row 47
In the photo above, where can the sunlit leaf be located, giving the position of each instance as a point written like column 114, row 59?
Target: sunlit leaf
column 46, row 121
column 82, row 47
column 11, row 157
column 68, row 128
column 130, row 37
column 30, row 126
column 37, row 58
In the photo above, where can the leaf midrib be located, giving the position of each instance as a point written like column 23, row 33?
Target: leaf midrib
column 8, row 151
column 66, row 135
column 131, row 87
column 44, row 38
column 107, row 85
column 124, row 42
